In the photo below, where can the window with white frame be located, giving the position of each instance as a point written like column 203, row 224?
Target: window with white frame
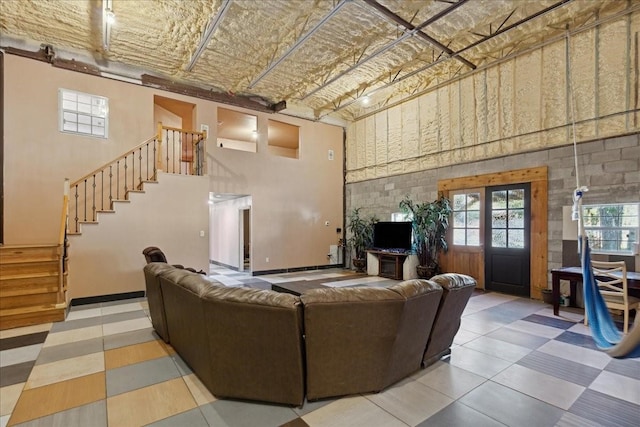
column 83, row 114
column 466, row 219
column 612, row 228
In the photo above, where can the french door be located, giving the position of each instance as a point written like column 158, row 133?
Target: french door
column 507, row 239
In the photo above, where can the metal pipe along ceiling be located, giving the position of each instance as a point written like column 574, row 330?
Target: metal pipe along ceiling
column 214, row 23
column 384, row 49
column 455, row 54
column 298, row 43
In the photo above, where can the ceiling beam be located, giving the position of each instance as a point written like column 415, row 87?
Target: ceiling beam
column 298, row 43
column 409, row 26
column 250, row 102
column 389, row 46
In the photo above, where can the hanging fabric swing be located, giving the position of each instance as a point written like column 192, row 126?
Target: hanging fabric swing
column 605, row 333
column 603, row 329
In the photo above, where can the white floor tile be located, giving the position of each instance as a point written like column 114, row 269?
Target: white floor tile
column 84, row 314
column 476, row 362
column 350, row 412
column 543, row 387
column 48, row 373
column 618, row 386
column 585, row 356
column 535, row 329
column 410, row 401
column 480, row 327
column 17, row 355
column 73, row 335
column 4, row 420
column 121, row 308
column 126, row 326
column 499, row 349
column 451, row 380
column 463, row 336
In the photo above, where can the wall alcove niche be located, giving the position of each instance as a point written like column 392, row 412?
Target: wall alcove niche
column 237, row 131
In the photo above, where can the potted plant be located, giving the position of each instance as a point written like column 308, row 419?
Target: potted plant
column 361, row 237
column 430, row 222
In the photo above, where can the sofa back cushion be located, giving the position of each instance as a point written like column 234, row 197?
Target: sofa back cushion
column 256, row 343
column 185, row 318
column 422, row 298
column 152, row 273
column 350, row 334
column 457, row 289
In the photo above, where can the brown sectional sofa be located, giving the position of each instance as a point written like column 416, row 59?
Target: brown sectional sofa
column 262, row 345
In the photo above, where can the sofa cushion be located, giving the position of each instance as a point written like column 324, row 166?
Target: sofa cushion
column 185, row 319
column 422, row 298
column 350, row 334
column 152, row 273
column 457, row 289
column 256, row 344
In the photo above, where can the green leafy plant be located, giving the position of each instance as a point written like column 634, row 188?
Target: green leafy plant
column 361, row 232
column 430, row 221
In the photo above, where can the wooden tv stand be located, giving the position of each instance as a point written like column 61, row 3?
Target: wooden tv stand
column 390, row 264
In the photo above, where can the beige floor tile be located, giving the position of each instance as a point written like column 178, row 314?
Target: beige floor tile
column 149, row 404
column 131, row 354
column 66, row 369
column 73, row 335
column 49, row 399
column 8, row 397
column 84, row 314
column 10, row 333
column 199, row 392
column 349, row 412
column 126, row 326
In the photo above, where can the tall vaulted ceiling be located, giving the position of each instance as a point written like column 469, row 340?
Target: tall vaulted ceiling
column 326, row 59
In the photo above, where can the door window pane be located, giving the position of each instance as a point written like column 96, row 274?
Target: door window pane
column 466, row 219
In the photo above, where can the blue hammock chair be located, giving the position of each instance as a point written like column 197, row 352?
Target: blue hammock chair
column 603, row 329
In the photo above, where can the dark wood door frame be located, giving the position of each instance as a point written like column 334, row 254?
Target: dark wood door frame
column 539, row 213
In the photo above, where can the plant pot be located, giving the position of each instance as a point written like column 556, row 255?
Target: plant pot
column 426, row 272
column 360, row 264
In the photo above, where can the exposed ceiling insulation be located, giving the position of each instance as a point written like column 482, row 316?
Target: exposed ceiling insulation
column 324, row 58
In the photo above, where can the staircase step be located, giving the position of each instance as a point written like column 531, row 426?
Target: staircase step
column 22, row 254
column 35, row 315
column 25, row 301
column 28, row 284
column 22, row 269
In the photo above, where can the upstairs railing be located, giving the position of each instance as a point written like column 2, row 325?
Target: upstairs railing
column 172, row 150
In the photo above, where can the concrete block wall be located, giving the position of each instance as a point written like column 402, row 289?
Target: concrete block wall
column 610, row 168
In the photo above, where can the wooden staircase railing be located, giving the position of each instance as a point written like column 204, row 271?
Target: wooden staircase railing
column 172, row 150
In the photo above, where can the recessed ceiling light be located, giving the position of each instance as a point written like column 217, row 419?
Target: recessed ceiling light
column 365, row 100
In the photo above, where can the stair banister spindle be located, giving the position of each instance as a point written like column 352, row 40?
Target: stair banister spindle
column 126, row 188
column 118, row 180
column 85, row 200
column 76, row 217
column 140, row 168
column 158, row 149
column 110, row 186
column 93, row 201
column 102, row 190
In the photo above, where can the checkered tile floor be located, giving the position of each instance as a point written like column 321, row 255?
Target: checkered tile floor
column 513, row 364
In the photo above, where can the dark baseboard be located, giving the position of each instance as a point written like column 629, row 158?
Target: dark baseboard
column 106, row 298
column 296, row 269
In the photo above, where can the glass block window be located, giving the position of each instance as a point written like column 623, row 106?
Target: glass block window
column 83, row 114
column 612, row 228
column 507, row 219
column 466, row 219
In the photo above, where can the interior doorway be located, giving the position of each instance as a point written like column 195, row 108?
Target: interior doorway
column 245, row 239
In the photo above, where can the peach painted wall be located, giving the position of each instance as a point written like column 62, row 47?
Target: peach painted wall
column 291, row 198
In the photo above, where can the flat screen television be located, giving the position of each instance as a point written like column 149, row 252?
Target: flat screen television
column 393, row 236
